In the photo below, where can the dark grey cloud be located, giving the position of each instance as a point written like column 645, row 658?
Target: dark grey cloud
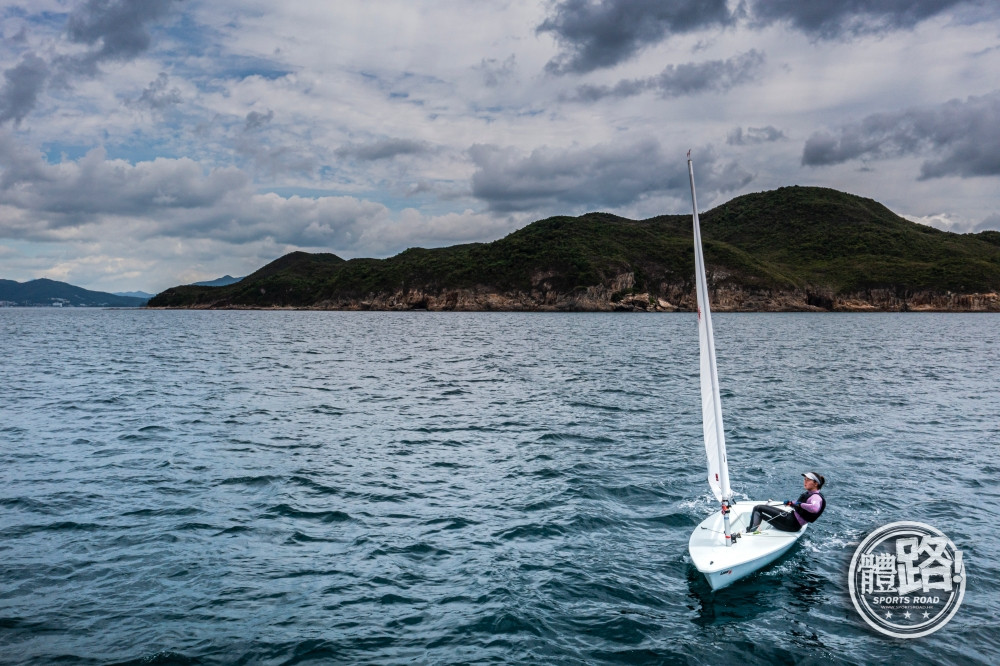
column 496, row 72
column 21, row 37
column 593, row 35
column 275, row 160
column 960, row 138
column 687, row 79
column 156, row 96
column 850, row 18
column 383, row 150
column 754, row 135
column 597, row 177
column 600, row 34
column 115, row 29
column 18, row 164
column 22, row 84
column 255, row 120
column 270, row 150
column 991, row 223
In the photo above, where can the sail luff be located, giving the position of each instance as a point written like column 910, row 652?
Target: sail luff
column 715, row 439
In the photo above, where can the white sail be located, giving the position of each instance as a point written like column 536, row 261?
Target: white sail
column 711, row 406
column 716, row 551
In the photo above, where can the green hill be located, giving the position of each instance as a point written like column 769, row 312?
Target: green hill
column 792, row 248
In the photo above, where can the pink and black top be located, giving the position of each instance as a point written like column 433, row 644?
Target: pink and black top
column 809, row 507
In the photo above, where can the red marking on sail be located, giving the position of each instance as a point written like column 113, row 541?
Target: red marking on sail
column 716, row 477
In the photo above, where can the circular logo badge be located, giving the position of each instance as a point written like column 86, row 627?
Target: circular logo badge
column 907, row 579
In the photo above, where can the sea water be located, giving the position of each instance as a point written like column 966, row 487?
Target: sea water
column 333, row 487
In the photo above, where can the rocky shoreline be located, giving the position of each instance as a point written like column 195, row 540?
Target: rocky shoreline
column 671, row 298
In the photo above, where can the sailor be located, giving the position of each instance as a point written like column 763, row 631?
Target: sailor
column 806, row 509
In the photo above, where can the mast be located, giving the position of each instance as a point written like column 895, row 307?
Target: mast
column 715, row 437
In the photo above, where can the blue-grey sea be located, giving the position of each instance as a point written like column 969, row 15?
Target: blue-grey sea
column 443, row 488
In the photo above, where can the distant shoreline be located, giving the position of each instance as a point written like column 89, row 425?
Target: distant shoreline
column 553, row 311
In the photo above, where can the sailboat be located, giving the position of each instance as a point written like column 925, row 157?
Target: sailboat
column 720, row 546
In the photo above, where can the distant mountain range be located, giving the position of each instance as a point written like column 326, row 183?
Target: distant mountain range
column 791, row 249
column 217, row 282
column 45, row 292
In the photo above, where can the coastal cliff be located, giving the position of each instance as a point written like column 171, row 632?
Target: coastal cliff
column 792, row 249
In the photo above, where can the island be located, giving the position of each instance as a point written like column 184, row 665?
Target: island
column 791, row 249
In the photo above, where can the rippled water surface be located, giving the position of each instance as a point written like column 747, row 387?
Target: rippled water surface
column 294, row 487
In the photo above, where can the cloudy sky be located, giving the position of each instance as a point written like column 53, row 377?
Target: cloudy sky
column 148, row 143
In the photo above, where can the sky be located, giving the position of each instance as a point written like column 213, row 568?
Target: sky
column 150, row 143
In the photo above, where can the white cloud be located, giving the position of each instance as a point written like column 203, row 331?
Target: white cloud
column 143, row 210
column 210, row 137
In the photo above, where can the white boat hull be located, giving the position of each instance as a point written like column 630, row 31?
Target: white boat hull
column 724, row 565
